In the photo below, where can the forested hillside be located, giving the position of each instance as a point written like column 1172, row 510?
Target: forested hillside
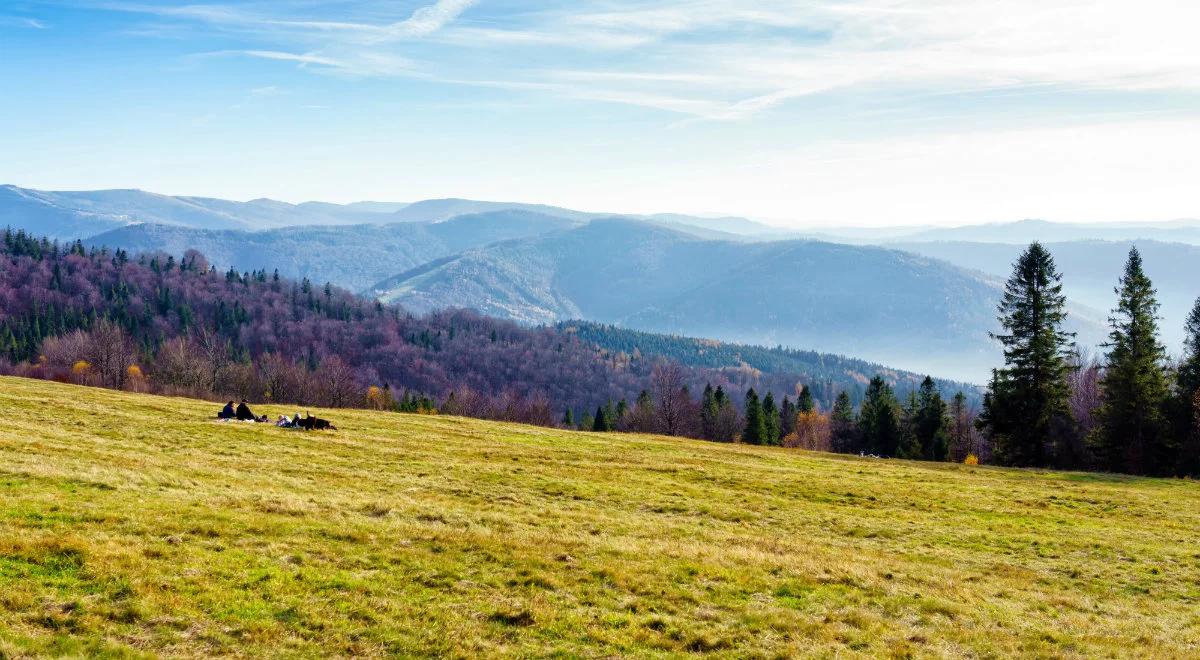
column 827, row 374
column 170, row 324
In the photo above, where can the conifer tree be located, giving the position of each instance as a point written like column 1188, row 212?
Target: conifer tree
column 568, row 420
column 708, row 413
column 600, row 421
column 1026, row 406
column 770, row 417
column 804, row 402
column 932, row 425
column 879, row 419
column 1187, row 393
column 787, row 418
column 756, row 431
column 910, row 443
column 843, row 431
column 1132, row 435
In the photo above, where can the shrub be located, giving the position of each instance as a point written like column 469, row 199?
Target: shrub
column 971, row 459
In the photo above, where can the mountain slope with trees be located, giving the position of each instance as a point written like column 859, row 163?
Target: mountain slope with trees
column 155, row 322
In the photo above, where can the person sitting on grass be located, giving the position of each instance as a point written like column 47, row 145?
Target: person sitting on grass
column 244, row 414
column 227, row 412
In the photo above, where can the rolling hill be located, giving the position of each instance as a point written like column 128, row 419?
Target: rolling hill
column 877, row 304
column 70, row 215
column 135, row 525
column 352, row 256
column 80, row 214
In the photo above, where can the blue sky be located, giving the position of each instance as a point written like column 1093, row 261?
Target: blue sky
column 816, row 113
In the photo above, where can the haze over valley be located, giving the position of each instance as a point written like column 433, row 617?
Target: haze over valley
column 921, row 299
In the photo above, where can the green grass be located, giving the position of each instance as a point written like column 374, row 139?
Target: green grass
column 132, row 525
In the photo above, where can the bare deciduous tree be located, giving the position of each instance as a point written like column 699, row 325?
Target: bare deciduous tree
column 668, row 382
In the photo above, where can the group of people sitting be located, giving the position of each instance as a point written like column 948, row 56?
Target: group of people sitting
column 243, row 414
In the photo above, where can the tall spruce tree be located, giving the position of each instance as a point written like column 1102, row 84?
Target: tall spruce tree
column 708, row 413
column 1026, row 407
column 843, row 430
column 787, row 418
column 879, row 419
column 1133, row 435
column 804, row 402
column 910, row 444
column 770, row 416
column 755, row 432
column 1187, row 391
column 932, row 424
column 601, row 422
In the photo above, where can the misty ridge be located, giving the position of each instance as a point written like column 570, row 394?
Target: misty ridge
column 918, row 298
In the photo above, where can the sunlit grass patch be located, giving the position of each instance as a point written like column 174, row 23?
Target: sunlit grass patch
column 134, row 525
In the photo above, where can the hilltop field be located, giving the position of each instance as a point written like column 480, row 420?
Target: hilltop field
column 133, row 525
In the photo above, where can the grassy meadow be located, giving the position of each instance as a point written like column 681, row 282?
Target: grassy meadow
column 133, row 525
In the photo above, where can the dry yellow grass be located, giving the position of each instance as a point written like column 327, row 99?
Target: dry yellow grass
column 133, row 525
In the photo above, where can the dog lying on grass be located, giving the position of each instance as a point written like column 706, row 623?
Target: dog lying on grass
column 310, row 423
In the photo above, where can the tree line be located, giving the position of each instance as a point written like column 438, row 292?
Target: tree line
column 1135, row 411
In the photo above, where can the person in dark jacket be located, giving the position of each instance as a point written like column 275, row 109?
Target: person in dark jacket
column 244, row 414
column 227, row 412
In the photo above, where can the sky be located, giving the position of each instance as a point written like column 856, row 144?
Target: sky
column 804, row 113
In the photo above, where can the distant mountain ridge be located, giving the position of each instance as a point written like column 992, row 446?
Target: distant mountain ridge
column 69, row 215
column 1026, row 231
column 877, row 304
column 1090, row 270
column 353, row 256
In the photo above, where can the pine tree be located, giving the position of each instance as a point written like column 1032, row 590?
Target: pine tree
column 770, row 417
column 1187, row 393
column 910, row 443
column 787, row 418
column 843, row 431
column 600, row 423
column 1132, row 436
column 931, row 422
column 805, row 403
column 568, row 420
column 708, row 413
column 879, row 419
column 755, row 432
column 1026, row 408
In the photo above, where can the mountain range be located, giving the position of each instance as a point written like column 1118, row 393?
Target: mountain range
column 917, row 297
column 1090, row 270
column 874, row 303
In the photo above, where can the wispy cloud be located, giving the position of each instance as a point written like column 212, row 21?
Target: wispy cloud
column 728, row 60
column 22, row 22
